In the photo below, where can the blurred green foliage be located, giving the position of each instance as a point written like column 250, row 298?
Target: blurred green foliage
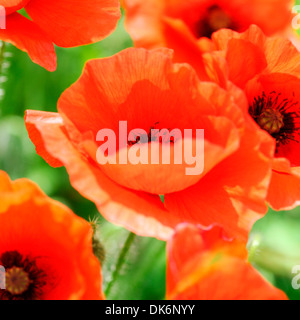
column 274, row 242
column 274, row 248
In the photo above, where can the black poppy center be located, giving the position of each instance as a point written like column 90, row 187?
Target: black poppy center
column 215, row 19
column 277, row 116
column 23, row 279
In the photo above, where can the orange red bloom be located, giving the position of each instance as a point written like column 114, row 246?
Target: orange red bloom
column 65, row 23
column 268, row 70
column 204, row 265
column 147, row 89
column 185, row 26
column 45, row 248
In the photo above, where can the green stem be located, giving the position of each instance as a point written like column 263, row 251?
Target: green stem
column 120, row 262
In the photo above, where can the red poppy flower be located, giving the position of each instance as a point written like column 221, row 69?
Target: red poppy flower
column 204, row 265
column 268, row 70
column 45, row 248
column 185, row 26
column 148, row 91
column 66, row 23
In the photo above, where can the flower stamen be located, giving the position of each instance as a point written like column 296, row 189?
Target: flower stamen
column 154, row 135
column 17, row 281
column 277, row 116
column 271, row 120
column 23, row 279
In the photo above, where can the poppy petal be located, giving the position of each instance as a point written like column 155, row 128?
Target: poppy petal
column 59, row 242
column 151, row 90
column 186, row 48
column 253, row 63
column 47, row 118
column 13, row 5
column 233, row 194
column 203, row 265
column 144, row 19
column 284, row 190
column 28, row 37
column 160, row 95
column 171, row 177
column 139, row 212
column 72, row 23
column 140, row 17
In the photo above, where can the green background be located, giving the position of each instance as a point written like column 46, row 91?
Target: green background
column 274, row 242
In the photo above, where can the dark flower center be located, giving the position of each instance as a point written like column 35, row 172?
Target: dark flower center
column 215, row 19
column 23, row 279
column 159, row 135
column 277, row 116
column 17, row 281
